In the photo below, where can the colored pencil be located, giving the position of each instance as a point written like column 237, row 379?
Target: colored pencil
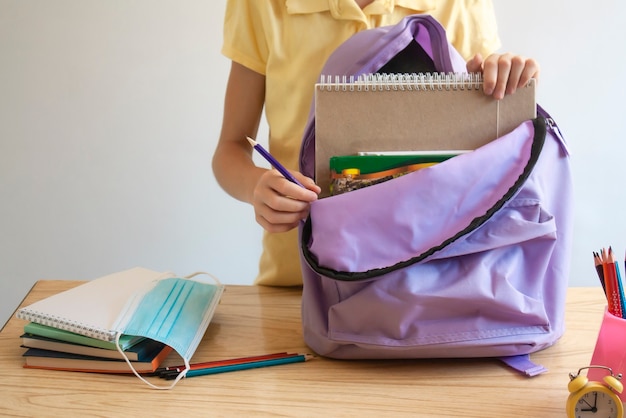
column 620, row 288
column 597, row 261
column 243, row 366
column 273, row 161
column 181, row 367
column 610, row 279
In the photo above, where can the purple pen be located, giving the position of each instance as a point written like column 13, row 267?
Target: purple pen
column 278, row 166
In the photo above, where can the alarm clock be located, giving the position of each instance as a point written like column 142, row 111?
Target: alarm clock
column 595, row 399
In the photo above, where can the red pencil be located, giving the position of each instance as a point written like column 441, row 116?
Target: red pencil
column 227, row 362
column 242, row 366
column 610, row 279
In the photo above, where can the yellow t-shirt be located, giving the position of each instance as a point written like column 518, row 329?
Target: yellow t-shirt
column 289, row 41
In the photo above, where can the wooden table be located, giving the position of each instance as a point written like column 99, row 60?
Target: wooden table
column 258, row 320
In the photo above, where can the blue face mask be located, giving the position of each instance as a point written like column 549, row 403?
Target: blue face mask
column 174, row 311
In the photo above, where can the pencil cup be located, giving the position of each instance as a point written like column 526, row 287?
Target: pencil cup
column 610, row 349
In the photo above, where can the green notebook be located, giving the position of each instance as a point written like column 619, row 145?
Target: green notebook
column 126, row 341
column 373, row 163
column 353, row 172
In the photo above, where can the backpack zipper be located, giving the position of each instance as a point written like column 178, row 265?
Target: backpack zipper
column 540, row 127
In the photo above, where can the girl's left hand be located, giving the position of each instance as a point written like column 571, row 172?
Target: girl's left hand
column 503, row 73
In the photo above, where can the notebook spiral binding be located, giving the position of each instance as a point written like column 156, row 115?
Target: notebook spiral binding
column 412, row 81
column 60, row 323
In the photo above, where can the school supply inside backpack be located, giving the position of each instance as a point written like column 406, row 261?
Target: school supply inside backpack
column 410, row 112
column 353, row 172
column 468, row 257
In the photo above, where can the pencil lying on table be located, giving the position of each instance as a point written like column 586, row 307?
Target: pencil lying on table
column 226, row 362
column 245, row 363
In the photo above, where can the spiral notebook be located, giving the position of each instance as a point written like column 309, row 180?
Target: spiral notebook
column 410, row 112
column 92, row 308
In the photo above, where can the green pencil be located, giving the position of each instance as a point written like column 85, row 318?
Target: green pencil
column 243, row 366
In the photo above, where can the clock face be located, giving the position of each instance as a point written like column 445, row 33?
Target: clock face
column 597, row 404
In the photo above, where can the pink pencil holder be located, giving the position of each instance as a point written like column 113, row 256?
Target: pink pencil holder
column 610, row 349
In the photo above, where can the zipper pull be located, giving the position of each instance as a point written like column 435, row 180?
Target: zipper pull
column 554, row 128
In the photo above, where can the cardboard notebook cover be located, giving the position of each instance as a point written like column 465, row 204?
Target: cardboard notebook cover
column 403, row 116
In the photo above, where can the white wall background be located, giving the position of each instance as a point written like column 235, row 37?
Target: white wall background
column 110, row 111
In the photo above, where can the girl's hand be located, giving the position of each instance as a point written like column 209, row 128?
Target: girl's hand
column 503, row 73
column 279, row 205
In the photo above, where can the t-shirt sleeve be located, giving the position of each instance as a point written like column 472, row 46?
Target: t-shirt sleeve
column 244, row 34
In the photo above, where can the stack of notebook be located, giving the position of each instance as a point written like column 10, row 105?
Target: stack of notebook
column 75, row 330
column 57, row 349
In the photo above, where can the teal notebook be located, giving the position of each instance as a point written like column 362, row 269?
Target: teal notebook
column 134, row 353
column 126, row 341
column 55, row 360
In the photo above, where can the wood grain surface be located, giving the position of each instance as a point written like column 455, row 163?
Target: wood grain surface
column 255, row 320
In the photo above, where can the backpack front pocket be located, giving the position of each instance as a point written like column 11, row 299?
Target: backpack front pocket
column 472, row 294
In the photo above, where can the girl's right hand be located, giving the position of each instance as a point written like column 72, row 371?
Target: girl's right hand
column 280, row 205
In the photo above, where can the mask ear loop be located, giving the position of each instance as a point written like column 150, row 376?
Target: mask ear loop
column 180, row 375
column 198, row 273
column 187, row 366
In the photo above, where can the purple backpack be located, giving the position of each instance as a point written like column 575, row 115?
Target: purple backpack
column 467, row 258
